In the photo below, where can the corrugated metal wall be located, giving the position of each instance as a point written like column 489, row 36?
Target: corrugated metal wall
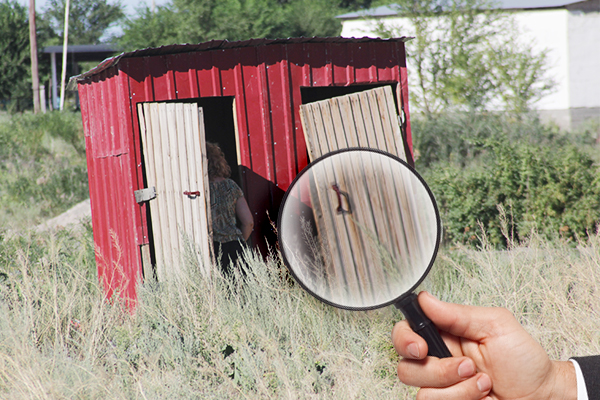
column 266, row 82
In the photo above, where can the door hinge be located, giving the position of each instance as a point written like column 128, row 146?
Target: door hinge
column 143, row 195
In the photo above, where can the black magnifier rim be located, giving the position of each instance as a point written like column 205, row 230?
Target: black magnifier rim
column 437, row 217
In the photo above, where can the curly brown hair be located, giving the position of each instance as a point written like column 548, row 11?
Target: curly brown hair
column 217, row 165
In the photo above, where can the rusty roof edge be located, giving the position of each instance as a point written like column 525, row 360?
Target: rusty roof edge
column 215, row 45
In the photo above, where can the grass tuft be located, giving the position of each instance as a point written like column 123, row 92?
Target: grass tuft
column 258, row 336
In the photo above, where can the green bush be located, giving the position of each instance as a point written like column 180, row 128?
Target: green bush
column 42, row 166
column 552, row 189
column 461, row 137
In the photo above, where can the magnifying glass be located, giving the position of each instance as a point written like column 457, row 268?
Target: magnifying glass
column 359, row 229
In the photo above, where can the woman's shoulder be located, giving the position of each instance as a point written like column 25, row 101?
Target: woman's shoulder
column 228, row 185
column 233, row 186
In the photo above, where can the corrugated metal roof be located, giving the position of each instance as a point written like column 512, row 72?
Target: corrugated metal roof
column 217, row 44
column 393, row 9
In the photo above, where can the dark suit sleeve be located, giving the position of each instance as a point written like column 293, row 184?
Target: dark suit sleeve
column 590, row 366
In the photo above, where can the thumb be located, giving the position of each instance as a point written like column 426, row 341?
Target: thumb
column 470, row 322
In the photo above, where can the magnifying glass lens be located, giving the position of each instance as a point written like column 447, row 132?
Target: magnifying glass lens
column 358, row 229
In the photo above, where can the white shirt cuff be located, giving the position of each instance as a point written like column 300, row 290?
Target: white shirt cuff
column 581, row 389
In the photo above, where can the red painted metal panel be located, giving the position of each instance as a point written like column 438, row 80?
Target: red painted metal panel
column 140, row 90
column 98, row 194
column 225, row 61
column 341, row 59
column 130, row 69
column 385, row 60
column 258, row 130
column 110, row 171
column 128, row 164
column 162, row 79
column 209, row 82
column 320, row 64
column 298, row 76
column 404, row 104
column 245, row 71
column 260, row 177
column 186, row 81
column 364, row 63
column 280, row 105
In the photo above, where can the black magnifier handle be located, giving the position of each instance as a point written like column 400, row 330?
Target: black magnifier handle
column 418, row 321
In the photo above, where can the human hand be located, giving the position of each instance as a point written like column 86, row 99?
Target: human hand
column 493, row 357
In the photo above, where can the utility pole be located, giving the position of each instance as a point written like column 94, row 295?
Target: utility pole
column 64, row 58
column 35, row 78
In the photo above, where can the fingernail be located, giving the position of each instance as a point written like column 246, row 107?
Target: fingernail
column 429, row 295
column 466, row 369
column 484, row 384
column 413, row 350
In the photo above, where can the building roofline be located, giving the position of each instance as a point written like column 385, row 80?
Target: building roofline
column 215, row 45
column 393, row 10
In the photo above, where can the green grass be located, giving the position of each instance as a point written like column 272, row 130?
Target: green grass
column 43, row 170
column 204, row 337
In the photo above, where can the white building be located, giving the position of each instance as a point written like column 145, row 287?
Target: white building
column 569, row 30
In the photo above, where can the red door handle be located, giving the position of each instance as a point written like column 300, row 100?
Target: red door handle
column 191, row 193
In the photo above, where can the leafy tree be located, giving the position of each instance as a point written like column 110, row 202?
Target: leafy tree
column 467, row 56
column 15, row 64
column 150, row 29
column 195, row 21
column 89, row 20
column 14, row 50
column 314, row 18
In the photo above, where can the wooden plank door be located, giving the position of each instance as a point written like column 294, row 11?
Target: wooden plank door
column 174, row 148
column 378, row 201
column 364, row 119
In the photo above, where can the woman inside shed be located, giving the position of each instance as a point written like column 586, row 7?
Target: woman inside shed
column 232, row 221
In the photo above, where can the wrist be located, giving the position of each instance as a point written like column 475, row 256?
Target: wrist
column 562, row 381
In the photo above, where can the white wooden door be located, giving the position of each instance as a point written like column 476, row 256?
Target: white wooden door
column 174, row 148
column 364, row 119
column 379, row 202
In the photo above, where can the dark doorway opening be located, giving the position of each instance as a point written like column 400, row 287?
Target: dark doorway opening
column 219, row 127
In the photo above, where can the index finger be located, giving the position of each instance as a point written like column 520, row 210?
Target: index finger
column 407, row 343
column 470, row 322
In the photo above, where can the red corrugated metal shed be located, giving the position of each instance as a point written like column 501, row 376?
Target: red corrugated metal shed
column 266, row 79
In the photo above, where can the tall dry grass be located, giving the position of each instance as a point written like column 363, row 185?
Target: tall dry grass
column 197, row 337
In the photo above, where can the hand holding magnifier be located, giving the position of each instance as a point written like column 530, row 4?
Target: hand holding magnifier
column 359, row 229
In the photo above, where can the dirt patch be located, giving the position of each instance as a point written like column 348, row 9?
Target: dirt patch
column 69, row 219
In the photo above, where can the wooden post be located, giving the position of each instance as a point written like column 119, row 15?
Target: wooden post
column 35, row 80
column 43, row 98
column 64, row 58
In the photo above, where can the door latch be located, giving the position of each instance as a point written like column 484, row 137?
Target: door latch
column 143, row 195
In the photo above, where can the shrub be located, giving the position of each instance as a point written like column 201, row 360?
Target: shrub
column 555, row 190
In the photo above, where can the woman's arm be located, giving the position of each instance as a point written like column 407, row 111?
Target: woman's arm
column 244, row 215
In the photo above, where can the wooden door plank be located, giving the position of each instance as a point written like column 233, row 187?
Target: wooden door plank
column 168, row 207
column 184, row 158
column 145, row 120
column 205, row 216
column 176, row 177
column 158, row 209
